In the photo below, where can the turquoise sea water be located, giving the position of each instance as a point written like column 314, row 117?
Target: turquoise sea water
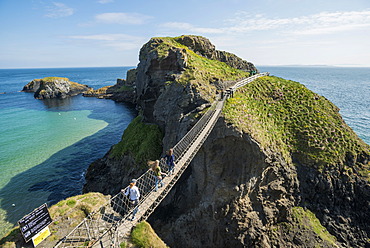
column 47, row 145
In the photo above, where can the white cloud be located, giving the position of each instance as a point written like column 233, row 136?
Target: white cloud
column 59, row 10
column 189, row 27
column 321, row 23
column 120, row 42
column 122, row 18
column 105, row 1
column 329, row 30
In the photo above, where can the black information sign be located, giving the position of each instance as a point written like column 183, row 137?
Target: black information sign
column 34, row 222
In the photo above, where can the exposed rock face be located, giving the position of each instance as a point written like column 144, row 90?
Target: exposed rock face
column 234, row 61
column 110, row 179
column 153, row 72
column 163, row 102
column 231, row 194
column 341, row 202
column 54, row 87
column 131, row 77
column 120, row 92
column 235, row 193
column 205, row 48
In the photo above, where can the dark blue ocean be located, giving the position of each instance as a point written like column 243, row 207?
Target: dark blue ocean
column 46, row 146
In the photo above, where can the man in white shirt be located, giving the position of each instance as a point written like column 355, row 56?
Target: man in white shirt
column 133, row 195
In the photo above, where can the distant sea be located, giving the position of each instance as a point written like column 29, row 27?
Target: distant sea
column 47, row 145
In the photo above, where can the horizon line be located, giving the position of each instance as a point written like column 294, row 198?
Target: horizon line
column 116, row 66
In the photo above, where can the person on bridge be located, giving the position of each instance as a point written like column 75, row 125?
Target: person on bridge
column 158, row 174
column 133, row 194
column 170, row 161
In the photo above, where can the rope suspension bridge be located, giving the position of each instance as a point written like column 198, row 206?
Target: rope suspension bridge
column 112, row 222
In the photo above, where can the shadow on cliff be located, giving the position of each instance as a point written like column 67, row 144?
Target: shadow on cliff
column 62, row 175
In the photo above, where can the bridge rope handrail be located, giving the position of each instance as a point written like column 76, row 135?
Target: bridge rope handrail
column 117, row 211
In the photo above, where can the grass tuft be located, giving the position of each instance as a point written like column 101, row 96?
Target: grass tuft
column 143, row 236
column 307, row 220
column 140, row 140
column 200, row 72
column 53, row 79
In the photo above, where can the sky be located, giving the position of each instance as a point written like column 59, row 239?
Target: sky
column 94, row 33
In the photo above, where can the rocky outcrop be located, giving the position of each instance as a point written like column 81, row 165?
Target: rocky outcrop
column 205, row 48
column 54, row 87
column 118, row 174
column 164, row 100
column 240, row 190
column 236, row 194
column 230, row 195
column 122, row 91
column 340, row 201
column 131, row 77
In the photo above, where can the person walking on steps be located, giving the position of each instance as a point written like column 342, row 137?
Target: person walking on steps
column 158, row 174
column 170, row 161
column 133, row 194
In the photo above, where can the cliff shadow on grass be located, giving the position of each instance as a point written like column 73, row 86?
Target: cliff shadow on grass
column 62, row 175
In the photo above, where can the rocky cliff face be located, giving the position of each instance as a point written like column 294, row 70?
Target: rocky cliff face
column 164, row 101
column 54, row 87
column 122, row 91
column 236, row 194
column 249, row 185
column 205, row 48
column 229, row 196
column 170, row 95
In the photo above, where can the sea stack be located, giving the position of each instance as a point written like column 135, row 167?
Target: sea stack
column 54, row 87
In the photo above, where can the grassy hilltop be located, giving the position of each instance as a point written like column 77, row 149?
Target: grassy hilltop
column 288, row 118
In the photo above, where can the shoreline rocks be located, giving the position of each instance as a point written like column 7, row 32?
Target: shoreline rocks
column 54, row 87
column 122, row 91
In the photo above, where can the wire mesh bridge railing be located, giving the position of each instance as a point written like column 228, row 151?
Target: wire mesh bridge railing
column 112, row 222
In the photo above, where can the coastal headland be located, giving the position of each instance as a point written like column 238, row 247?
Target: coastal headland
column 280, row 169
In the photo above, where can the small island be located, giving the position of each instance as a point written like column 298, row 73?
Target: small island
column 54, row 87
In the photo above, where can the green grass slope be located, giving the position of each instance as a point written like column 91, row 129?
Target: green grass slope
column 140, row 140
column 143, row 236
column 287, row 117
column 65, row 214
column 200, row 72
column 304, row 230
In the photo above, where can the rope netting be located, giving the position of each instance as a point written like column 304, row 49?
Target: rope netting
column 105, row 227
